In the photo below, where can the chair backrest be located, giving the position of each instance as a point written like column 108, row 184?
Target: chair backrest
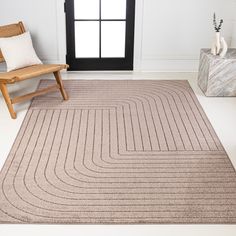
column 9, row 31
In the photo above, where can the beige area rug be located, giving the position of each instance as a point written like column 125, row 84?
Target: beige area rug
column 118, row 152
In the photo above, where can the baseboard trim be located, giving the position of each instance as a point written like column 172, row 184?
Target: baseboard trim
column 169, row 65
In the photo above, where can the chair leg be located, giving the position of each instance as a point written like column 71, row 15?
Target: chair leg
column 57, row 75
column 7, row 98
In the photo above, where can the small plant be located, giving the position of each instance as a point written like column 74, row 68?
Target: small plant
column 217, row 27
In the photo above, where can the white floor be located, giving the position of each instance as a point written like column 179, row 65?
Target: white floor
column 220, row 111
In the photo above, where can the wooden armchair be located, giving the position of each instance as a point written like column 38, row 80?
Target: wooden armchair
column 26, row 73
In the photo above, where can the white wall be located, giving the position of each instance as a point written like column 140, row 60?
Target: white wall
column 233, row 43
column 174, row 31
column 44, row 19
column 169, row 33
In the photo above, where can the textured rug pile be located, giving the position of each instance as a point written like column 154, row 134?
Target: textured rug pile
column 118, row 152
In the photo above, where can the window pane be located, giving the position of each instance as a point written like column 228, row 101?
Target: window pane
column 86, row 39
column 86, row 9
column 113, row 39
column 113, row 9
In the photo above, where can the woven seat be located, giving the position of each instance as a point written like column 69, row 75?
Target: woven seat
column 27, row 73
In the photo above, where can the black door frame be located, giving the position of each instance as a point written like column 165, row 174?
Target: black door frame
column 75, row 64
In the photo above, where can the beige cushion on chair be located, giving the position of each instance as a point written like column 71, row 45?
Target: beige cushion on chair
column 18, row 51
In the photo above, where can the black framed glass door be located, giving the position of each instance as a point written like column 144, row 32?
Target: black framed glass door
column 100, row 34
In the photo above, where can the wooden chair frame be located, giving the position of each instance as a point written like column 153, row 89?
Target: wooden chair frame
column 27, row 73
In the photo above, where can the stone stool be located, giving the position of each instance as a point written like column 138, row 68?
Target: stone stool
column 217, row 76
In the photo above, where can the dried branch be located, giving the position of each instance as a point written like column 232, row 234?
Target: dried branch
column 216, row 26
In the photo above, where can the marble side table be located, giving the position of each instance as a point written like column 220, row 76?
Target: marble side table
column 217, row 76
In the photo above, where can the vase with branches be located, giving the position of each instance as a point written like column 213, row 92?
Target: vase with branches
column 219, row 46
